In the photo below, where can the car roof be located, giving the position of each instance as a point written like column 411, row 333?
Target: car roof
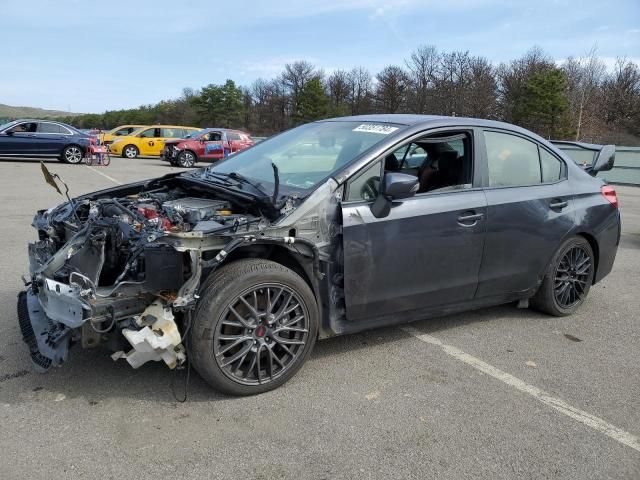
column 209, row 129
column 427, row 121
column 49, row 121
column 171, row 126
column 415, row 120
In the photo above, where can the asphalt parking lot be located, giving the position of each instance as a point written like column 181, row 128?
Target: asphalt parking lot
column 496, row 393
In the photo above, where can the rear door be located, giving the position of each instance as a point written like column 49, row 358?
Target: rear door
column 51, row 138
column 426, row 253
column 530, row 211
column 166, row 133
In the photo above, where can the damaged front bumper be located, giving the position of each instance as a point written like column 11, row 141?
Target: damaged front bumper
column 48, row 341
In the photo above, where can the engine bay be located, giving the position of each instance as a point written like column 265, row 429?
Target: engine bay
column 109, row 268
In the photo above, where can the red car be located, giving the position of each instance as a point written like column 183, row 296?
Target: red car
column 210, row 144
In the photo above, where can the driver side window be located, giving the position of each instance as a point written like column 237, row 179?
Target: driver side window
column 366, row 185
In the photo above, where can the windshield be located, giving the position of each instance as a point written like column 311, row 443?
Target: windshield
column 7, row 125
column 194, row 134
column 136, row 132
column 308, row 154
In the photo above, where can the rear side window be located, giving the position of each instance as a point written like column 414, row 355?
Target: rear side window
column 551, row 167
column 512, row 160
column 170, row 132
column 150, row 133
column 46, row 127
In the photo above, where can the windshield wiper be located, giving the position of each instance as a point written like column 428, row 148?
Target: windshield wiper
column 222, row 177
column 239, row 179
column 276, row 186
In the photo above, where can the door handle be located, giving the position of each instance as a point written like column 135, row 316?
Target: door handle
column 469, row 219
column 558, row 204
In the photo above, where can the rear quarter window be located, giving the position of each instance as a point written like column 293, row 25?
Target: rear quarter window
column 551, row 167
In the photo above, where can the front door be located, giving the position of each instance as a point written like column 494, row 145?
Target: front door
column 213, row 148
column 426, row 253
column 149, row 139
column 20, row 140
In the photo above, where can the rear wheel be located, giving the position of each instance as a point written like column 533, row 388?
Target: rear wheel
column 72, row 154
column 130, row 151
column 186, row 159
column 254, row 327
column 568, row 279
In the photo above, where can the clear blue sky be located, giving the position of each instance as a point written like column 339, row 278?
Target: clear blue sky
column 90, row 55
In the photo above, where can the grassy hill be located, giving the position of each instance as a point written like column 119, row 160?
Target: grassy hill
column 7, row 111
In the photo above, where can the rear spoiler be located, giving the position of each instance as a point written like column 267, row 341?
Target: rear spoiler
column 604, row 158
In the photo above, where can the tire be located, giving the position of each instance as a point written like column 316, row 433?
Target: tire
column 130, row 151
column 106, row 160
column 567, row 280
column 72, row 154
column 186, row 159
column 222, row 320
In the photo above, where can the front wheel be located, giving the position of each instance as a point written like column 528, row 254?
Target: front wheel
column 72, row 154
column 254, row 327
column 568, row 279
column 130, row 151
column 186, row 159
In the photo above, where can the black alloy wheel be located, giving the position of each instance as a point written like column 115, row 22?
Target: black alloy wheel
column 262, row 333
column 573, row 274
column 568, row 278
column 254, row 326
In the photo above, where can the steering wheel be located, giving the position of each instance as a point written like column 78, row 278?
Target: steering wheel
column 369, row 190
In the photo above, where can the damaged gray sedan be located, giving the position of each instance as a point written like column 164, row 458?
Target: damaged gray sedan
column 330, row 228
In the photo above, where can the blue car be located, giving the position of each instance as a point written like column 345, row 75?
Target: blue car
column 43, row 138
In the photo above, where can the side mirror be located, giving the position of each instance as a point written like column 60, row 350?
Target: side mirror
column 395, row 186
column 604, row 160
column 8, row 132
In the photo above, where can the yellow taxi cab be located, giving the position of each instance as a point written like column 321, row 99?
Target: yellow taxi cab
column 121, row 131
column 148, row 141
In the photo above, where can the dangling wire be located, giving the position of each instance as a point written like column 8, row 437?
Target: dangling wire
column 188, row 367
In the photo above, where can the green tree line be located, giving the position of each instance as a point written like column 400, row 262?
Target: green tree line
column 578, row 99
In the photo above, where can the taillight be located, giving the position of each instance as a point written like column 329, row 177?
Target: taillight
column 610, row 194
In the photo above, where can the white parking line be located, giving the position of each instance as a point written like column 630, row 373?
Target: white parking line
column 104, row 175
column 589, row 420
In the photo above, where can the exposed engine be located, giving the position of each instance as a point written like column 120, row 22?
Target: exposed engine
column 107, row 269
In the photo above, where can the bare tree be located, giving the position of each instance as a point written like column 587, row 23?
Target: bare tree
column 338, row 86
column 481, row 99
column 453, row 82
column 360, row 91
column 423, row 65
column 295, row 77
column 621, row 95
column 584, row 80
column 391, row 89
